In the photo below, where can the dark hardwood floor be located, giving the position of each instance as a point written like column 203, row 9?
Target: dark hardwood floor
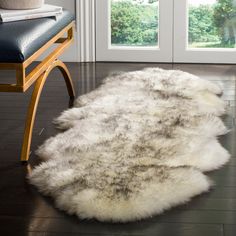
column 23, row 211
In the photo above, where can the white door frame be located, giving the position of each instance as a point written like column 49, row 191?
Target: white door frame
column 86, row 32
column 182, row 54
column 106, row 52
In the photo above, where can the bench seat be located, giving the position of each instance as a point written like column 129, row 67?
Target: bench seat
column 19, row 40
column 22, row 43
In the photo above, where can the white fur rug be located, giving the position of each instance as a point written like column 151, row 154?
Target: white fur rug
column 134, row 147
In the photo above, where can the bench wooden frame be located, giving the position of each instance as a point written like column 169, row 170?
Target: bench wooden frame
column 39, row 75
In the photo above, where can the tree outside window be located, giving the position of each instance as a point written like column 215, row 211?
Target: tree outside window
column 211, row 23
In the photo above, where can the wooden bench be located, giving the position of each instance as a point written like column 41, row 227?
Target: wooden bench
column 21, row 43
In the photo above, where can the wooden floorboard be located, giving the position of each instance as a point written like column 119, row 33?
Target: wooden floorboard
column 229, row 230
column 87, row 228
column 24, row 211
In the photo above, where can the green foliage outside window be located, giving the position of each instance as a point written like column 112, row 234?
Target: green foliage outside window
column 224, row 13
column 201, row 28
column 134, row 22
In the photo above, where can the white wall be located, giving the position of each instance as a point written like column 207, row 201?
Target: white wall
column 68, row 4
column 71, row 54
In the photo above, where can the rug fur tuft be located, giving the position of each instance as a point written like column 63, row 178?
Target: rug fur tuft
column 134, row 147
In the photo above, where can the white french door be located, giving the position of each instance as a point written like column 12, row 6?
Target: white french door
column 189, row 31
column 134, row 30
column 205, row 31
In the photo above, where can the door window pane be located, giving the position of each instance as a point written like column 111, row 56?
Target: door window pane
column 134, row 22
column 212, row 23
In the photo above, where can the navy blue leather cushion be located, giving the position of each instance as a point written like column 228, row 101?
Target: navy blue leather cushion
column 19, row 40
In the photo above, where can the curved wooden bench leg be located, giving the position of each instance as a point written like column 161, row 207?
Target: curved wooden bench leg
column 35, row 100
column 66, row 74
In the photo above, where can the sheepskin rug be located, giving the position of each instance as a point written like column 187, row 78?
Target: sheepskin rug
column 135, row 147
